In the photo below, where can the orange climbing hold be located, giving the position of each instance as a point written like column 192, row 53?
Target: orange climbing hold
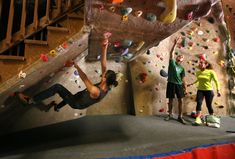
column 116, row 1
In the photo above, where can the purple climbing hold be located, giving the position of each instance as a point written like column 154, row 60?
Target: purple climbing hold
column 76, row 73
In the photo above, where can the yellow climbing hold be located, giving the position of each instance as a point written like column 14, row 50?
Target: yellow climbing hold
column 169, row 14
column 125, row 18
column 140, row 45
column 53, row 53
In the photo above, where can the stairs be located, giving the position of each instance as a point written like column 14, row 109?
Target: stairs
column 23, row 47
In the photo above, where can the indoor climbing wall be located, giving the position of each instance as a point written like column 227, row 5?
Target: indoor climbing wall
column 137, row 25
column 200, row 39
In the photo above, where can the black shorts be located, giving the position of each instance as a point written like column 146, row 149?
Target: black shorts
column 173, row 89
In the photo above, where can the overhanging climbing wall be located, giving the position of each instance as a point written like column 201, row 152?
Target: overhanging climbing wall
column 137, row 25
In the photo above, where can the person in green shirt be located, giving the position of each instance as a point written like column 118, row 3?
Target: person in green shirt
column 175, row 83
column 205, row 76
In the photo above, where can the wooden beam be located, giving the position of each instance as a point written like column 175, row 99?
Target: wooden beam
column 23, row 19
column 36, row 42
column 1, row 7
column 10, row 57
column 48, row 11
column 58, row 29
column 10, row 23
column 59, row 7
column 35, row 17
column 69, row 4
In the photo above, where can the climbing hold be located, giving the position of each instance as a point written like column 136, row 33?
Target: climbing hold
column 222, row 63
column 126, row 43
column 194, row 29
column 53, row 53
column 44, row 57
column 182, row 33
column 125, row 52
column 116, row 1
column 124, row 18
column 98, row 57
column 116, row 44
column 126, row 11
column 22, row 74
column 211, row 20
column 128, row 56
column 184, row 42
column 161, row 110
column 119, row 76
column 140, row 45
column 65, row 45
column 205, row 47
column 101, row 7
column 200, row 32
column 208, row 31
column 151, row 17
column 205, row 39
column 189, row 16
column 138, row 13
column 148, row 52
column 163, row 73
column 191, row 32
column 97, row 71
column 202, row 57
column 216, row 39
column 220, row 106
column 142, row 77
column 191, row 44
column 112, row 9
column 76, row 73
column 169, row 14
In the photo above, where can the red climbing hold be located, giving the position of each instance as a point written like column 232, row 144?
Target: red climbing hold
column 44, row 57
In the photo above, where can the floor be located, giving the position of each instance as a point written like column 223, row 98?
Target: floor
column 111, row 136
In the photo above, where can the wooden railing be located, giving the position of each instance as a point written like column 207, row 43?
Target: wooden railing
column 53, row 14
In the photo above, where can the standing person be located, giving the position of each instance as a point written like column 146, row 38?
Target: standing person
column 83, row 99
column 205, row 76
column 176, row 83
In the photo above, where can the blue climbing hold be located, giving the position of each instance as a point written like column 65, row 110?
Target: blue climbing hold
column 151, row 17
column 126, row 11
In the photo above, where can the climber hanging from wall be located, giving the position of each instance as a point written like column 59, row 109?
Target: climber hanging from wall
column 83, row 99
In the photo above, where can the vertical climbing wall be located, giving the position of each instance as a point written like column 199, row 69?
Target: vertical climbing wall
column 200, row 37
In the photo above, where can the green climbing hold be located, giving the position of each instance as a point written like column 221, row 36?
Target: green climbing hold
column 126, row 11
column 184, row 42
column 127, row 43
column 182, row 33
column 151, row 17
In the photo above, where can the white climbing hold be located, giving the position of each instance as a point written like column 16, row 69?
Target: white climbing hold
column 200, row 32
column 22, row 74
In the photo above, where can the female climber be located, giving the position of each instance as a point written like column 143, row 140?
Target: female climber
column 205, row 76
column 83, row 99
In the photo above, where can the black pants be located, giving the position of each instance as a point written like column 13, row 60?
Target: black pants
column 66, row 95
column 208, row 96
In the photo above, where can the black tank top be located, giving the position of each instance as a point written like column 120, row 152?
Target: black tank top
column 83, row 99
